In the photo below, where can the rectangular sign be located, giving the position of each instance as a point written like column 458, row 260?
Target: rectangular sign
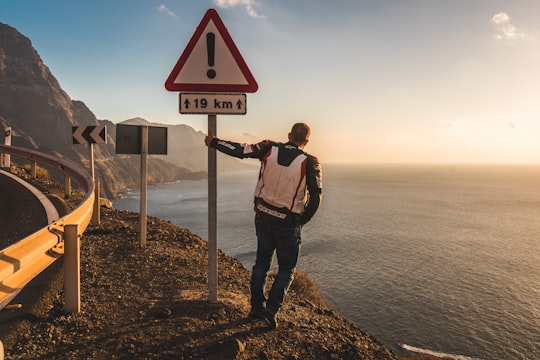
column 129, row 138
column 89, row 134
column 212, row 103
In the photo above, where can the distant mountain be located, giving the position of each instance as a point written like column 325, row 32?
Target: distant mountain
column 41, row 116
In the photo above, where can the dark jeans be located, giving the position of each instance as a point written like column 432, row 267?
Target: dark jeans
column 284, row 238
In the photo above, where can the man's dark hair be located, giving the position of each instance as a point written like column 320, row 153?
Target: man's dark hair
column 300, row 133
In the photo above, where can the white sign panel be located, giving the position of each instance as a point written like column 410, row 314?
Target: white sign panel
column 209, row 103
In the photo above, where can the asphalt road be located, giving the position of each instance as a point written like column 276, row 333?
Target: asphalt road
column 21, row 213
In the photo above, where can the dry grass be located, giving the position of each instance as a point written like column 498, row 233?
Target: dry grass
column 306, row 288
column 303, row 285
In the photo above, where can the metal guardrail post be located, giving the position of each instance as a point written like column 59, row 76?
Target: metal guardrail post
column 67, row 187
column 72, row 269
column 6, row 158
column 24, row 260
column 34, row 170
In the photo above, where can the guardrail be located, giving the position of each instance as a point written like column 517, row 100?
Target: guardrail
column 24, row 260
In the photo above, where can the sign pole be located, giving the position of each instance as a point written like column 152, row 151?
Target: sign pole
column 215, row 91
column 144, row 169
column 91, row 160
column 212, row 216
column 89, row 135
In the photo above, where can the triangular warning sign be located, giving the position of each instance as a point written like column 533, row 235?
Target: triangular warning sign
column 211, row 62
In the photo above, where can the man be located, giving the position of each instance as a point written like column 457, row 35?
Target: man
column 287, row 195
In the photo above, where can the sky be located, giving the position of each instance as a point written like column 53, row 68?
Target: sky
column 378, row 81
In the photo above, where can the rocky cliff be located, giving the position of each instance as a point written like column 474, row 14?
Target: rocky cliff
column 41, row 116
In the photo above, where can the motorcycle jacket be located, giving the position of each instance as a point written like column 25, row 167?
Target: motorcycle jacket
column 290, row 180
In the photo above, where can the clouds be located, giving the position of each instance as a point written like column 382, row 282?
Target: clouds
column 505, row 29
column 248, row 4
column 163, row 9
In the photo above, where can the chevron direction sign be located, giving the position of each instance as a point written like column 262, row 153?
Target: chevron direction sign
column 89, row 134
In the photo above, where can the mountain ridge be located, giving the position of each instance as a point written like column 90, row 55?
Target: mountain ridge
column 41, row 115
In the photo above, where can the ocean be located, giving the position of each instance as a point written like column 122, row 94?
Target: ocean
column 440, row 259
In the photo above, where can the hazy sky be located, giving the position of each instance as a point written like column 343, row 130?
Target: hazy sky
column 379, row 81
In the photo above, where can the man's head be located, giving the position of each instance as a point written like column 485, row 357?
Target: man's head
column 300, row 134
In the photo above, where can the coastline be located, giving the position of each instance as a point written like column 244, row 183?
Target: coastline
column 151, row 302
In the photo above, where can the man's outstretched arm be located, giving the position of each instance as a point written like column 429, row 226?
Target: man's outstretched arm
column 233, row 148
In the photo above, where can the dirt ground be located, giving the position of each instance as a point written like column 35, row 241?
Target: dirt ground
column 150, row 302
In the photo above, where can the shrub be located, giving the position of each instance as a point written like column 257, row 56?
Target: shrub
column 306, row 288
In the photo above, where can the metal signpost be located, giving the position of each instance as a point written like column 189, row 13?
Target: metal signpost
column 89, row 135
column 143, row 140
column 214, row 73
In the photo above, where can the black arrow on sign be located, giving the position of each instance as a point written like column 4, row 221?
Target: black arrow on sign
column 86, row 134
column 102, row 135
column 187, row 103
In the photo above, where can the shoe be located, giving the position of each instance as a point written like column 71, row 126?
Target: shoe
column 271, row 320
column 256, row 314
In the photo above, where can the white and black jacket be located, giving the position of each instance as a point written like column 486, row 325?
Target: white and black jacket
column 290, row 180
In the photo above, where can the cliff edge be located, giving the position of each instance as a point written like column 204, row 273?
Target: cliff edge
column 151, row 303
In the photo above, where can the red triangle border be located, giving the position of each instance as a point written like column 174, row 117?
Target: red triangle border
column 251, row 86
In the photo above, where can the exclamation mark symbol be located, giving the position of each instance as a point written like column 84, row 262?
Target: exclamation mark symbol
column 211, row 47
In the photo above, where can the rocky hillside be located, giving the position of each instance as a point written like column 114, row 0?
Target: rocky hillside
column 41, row 116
